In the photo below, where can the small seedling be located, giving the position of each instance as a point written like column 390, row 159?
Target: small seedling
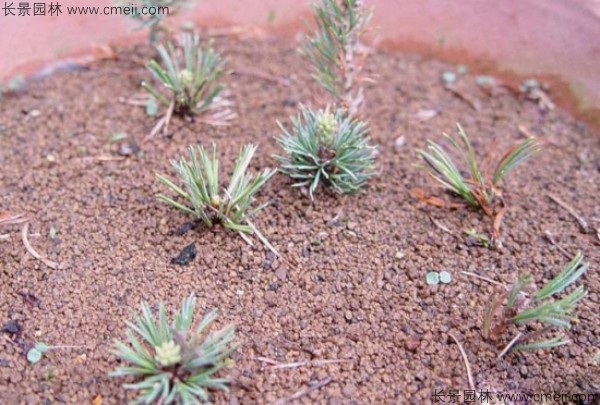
column 17, row 84
column 36, row 353
column 478, row 238
column 328, row 146
column 434, row 278
column 118, row 136
column 335, row 50
column 480, row 188
column 193, row 82
column 175, row 362
column 200, row 175
column 448, row 77
column 517, row 307
column 52, row 233
column 154, row 13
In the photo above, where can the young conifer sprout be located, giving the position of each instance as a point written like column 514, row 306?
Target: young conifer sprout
column 192, row 81
column 175, row 362
column 326, row 146
column 515, row 307
column 155, row 11
column 201, row 190
column 335, row 50
column 480, row 187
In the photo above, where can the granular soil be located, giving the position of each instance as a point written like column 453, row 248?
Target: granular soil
column 357, row 291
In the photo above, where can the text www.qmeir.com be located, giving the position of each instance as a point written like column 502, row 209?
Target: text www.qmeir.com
column 24, row 9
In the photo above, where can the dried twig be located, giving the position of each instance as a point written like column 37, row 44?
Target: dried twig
column 466, row 359
column 496, row 241
column 277, row 365
column 489, row 280
column 582, row 222
column 510, row 345
column 10, row 219
column 49, row 263
column 442, row 227
column 550, row 238
column 463, row 96
column 104, row 158
column 310, row 363
column 267, row 360
column 304, row 392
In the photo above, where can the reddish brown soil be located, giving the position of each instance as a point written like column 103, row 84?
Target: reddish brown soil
column 358, row 292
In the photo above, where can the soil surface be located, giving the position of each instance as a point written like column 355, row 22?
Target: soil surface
column 357, row 292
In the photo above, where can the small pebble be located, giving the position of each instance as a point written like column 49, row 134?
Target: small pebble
column 186, row 255
column 128, row 149
column 349, row 390
column 523, row 370
column 448, row 77
column 11, row 327
column 399, row 142
column 412, row 344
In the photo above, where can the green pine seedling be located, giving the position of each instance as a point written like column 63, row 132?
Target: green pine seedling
column 205, row 201
column 480, row 187
column 334, row 49
column 193, row 83
column 161, row 9
column 326, row 146
column 541, row 307
column 175, row 362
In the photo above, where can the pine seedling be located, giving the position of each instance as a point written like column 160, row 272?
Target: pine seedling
column 193, row 81
column 151, row 13
column 480, row 186
column 326, row 146
column 542, row 307
column 335, row 51
column 200, row 176
column 176, row 363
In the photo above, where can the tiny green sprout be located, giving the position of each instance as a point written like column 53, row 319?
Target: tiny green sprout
column 462, row 69
column 485, row 81
column 175, row 362
column 52, row 233
column 154, row 21
column 335, row 50
column 200, row 175
column 517, row 308
column 528, row 85
column 118, row 136
column 445, row 277
column 151, row 107
column 479, row 238
column 448, row 77
column 35, row 354
column 432, row 278
column 193, row 81
column 481, row 188
column 326, row 146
